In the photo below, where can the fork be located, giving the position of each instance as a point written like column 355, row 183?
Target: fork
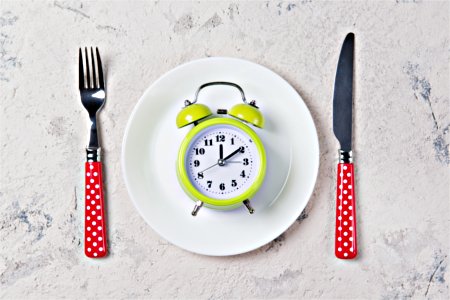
column 93, row 95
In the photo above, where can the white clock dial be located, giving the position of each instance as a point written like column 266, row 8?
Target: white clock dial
column 222, row 161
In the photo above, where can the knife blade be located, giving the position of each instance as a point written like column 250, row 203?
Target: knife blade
column 345, row 229
column 343, row 94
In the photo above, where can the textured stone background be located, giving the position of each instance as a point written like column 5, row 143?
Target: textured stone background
column 401, row 143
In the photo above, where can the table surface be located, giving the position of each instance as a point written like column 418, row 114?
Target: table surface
column 401, row 145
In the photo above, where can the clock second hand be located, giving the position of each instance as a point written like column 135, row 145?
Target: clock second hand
column 218, row 162
column 209, row 168
column 224, row 159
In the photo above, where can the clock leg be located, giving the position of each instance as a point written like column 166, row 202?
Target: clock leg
column 249, row 207
column 197, row 207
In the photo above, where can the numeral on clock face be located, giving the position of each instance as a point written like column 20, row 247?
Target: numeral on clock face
column 200, row 151
column 222, row 162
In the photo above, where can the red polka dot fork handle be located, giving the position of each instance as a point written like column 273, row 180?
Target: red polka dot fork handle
column 94, row 221
column 345, row 243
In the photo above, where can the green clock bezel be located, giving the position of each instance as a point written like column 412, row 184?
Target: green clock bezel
column 183, row 175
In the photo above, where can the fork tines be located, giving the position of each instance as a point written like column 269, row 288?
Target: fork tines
column 92, row 80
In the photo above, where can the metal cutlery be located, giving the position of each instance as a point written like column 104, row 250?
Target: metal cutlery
column 345, row 237
column 93, row 95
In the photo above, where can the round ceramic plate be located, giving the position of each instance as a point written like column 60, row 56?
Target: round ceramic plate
column 152, row 140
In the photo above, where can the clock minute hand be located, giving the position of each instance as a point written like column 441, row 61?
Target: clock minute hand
column 233, row 153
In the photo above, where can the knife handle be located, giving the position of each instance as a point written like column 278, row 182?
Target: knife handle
column 94, row 222
column 345, row 243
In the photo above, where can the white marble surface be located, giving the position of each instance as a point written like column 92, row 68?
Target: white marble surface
column 401, row 144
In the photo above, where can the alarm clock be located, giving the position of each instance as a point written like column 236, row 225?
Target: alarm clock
column 221, row 162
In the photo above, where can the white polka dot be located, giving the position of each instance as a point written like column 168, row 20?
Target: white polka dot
column 345, row 254
column 345, row 192
column 100, row 249
column 92, row 202
column 92, row 192
column 97, row 197
column 345, row 212
column 94, row 223
column 95, row 254
column 350, row 218
column 345, row 223
column 340, row 197
column 345, row 233
column 89, row 249
column 88, row 218
column 88, row 239
column 350, row 197
column 94, row 233
column 95, row 244
column 340, row 186
column 98, row 207
column 88, row 229
column 95, row 173
column 88, row 186
column 350, row 238
column 340, row 207
column 345, row 244
column 339, row 228
column 351, row 228
column 345, row 181
column 349, row 174
column 97, row 186
column 345, row 202
column 93, row 212
column 339, row 218
column 339, row 249
column 88, row 207
column 88, row 197
column 345, row 167
column 92, row 180
column 350, row 207
column 342, row 174
column 99, row 217
column 91, row 167
column 88, row 174
column 100, row 238
column 99, row 227
column 351, row 249
column 350, row 187
column 339, row 239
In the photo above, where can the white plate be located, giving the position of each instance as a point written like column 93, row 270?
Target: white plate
column 152, row 140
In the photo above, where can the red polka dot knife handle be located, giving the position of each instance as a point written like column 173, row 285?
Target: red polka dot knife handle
column 345, row 244
column 95, row 227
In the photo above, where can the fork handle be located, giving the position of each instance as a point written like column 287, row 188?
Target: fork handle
column 94, row 223
column 345, row 243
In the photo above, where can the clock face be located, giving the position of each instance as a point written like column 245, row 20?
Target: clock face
column 222, row 161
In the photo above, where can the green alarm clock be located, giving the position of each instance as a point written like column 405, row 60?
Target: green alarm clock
column 221, row 163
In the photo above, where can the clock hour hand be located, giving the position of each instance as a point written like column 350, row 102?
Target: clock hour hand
column 220, row 151
column 233, row 153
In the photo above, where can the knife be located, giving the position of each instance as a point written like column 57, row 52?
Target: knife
column 345, row 237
